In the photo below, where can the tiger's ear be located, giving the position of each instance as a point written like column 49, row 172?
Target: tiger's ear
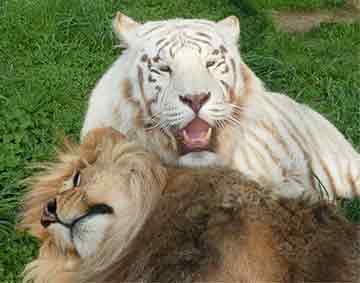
column 230, row 27
column 124, row 27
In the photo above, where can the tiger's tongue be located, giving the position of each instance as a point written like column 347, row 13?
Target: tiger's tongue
column 196, row 135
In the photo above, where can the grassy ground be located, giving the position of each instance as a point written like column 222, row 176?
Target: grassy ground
column 52, row 53
column 303, row 4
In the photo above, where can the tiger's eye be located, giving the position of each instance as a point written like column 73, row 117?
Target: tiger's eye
column 210, row 64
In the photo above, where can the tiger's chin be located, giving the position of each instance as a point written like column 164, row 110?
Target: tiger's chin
column 200, row 159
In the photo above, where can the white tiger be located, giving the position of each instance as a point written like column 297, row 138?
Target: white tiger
column 182, row 89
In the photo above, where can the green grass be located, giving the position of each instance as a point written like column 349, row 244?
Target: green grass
column 297, row 4
column 52, row 53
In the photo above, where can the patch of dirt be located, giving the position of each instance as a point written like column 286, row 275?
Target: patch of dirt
column 303, row 21
column 354, row 3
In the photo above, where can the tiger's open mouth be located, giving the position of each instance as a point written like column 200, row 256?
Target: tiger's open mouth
column 196, row 136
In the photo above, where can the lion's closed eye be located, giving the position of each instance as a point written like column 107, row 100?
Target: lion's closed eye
column 72, row 182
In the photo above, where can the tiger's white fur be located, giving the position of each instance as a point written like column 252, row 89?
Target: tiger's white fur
column 265, row 135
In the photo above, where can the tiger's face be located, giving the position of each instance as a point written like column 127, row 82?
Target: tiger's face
column 188, row 79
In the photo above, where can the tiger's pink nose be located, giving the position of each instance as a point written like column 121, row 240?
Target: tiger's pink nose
column 195, row 102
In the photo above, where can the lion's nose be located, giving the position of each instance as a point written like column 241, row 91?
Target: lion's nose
column 49, row 213
column 195, row 102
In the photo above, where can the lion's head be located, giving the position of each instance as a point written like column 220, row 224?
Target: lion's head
column 97, row 194
column 108, row 212
column 182, row 77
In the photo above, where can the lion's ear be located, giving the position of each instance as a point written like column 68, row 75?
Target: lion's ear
column 124, row 27
column 230, row 27
column 97, row 137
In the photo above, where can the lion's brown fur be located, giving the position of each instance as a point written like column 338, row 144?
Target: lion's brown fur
column 215, row 225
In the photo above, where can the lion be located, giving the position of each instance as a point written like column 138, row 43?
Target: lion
column 182, row 89
column 108, row 212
